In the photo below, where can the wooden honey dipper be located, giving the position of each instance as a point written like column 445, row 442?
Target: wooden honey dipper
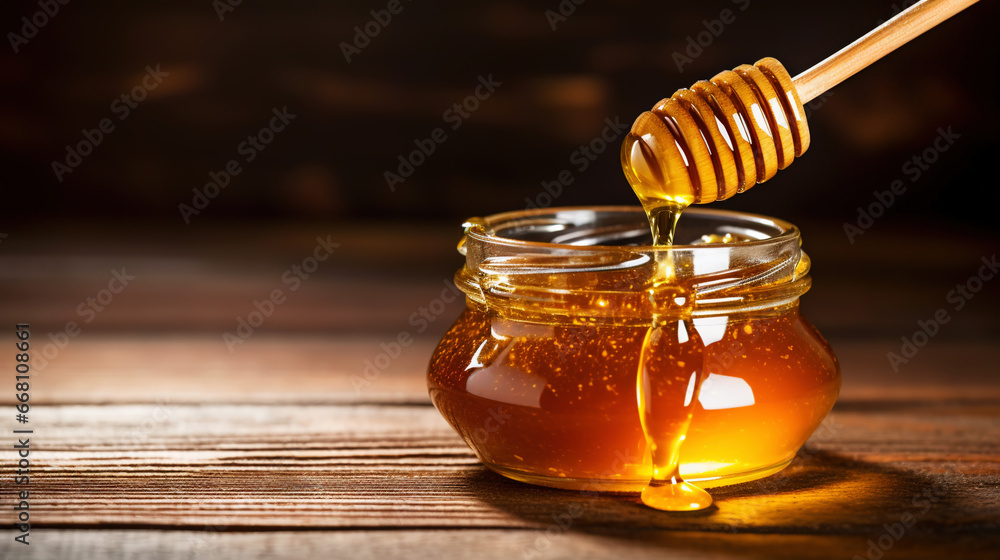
column 725, row 135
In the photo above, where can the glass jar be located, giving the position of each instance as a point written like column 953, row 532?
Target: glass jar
column 538, row 374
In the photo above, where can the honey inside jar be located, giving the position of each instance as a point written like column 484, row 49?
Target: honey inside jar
column 538, row 374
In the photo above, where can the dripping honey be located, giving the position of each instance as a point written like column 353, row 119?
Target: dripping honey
column 700, row 145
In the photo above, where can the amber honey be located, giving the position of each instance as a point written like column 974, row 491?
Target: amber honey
column 539, row 373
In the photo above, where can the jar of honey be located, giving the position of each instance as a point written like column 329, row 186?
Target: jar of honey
column 539, row 373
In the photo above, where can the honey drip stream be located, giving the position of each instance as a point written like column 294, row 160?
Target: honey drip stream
column 670, row 376
column 710, row 142
column 668, row 381
column 663, row 223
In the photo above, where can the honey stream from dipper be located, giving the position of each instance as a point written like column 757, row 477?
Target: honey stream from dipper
column 707, row 143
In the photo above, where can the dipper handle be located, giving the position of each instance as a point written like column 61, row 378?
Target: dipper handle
column 879, row 42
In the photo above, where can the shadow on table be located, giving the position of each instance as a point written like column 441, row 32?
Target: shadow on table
column 820, row 497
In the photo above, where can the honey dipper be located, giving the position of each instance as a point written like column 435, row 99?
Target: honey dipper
column 724, row 135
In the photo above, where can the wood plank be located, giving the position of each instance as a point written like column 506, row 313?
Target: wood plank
column 402, row 466
column 190, row 295
column 487, row 544
column 328, row 369
column 200, row 368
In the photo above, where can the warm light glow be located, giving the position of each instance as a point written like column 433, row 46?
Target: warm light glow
column 707, row 466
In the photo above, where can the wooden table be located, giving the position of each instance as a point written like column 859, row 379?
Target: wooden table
column 152, row 440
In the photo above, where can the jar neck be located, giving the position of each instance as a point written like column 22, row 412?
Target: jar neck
column 516, row 268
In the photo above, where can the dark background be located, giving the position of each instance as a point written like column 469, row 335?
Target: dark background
column 324, row 175
column 607, row 59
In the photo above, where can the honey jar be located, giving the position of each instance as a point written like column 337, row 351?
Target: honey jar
column 539, row 372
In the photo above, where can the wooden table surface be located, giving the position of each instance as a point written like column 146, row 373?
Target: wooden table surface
column 152, row 440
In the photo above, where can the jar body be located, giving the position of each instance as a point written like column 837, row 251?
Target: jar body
column 556, row 404
column 540, row 373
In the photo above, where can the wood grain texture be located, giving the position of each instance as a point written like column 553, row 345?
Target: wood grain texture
column 402, row 466
column 154, row 441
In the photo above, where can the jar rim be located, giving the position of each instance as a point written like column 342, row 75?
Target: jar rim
column 787, row 229
column 552, row 264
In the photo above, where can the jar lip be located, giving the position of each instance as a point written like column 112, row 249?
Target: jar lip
column 545, row 263
column 482, row 229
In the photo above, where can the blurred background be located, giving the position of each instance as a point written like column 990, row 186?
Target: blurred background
column 199, row 78
column 606, row 59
